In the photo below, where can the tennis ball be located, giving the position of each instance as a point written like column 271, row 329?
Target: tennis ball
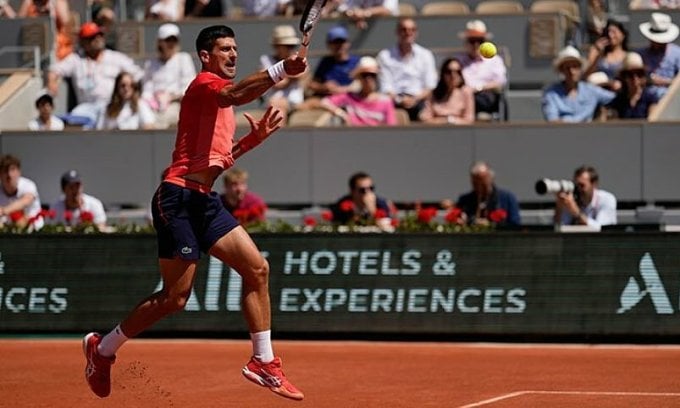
column 487, row 49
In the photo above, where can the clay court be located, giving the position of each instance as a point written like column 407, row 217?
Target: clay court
column 206, row 373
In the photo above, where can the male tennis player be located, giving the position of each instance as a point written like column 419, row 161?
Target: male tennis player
column 189, row 217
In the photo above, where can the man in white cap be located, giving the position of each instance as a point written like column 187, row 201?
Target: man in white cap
column 167, row 76
column 572, row 100
column 287, row 94
column 487, row 76
column 661, row 56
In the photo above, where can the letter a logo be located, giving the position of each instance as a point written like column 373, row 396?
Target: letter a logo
column 632, row 294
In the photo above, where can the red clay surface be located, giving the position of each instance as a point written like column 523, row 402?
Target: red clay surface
column 207, row 373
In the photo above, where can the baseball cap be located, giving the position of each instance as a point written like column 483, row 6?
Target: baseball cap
column 89, row 30
column 168, row 30
column 71, row 176
column 337, row 33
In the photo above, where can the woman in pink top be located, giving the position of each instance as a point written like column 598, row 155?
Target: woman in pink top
column 451, row 100
column 367, row 107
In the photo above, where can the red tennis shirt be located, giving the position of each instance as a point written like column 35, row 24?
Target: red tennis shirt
column 205, row 131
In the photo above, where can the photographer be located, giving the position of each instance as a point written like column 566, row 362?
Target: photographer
column 587, row 204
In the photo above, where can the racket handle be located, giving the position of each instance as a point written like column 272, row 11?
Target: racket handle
column 302, row 53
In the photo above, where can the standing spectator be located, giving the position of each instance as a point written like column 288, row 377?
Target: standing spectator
column 572, row 100
column 407, row 70
column 487, row 203
column 333, row 74
column 167, row 76
column 362, row 206
column 126, row 110
column 359, row 11
column 661, row 56
column 487, row 76
column 588, row 204
column 45, row 120
column 367, row 106
column 92, row 73
column 203, row 8
column 76, row 207
column 164, row 10
column 19, row 199
column 264, row 8
column 242, row 203
column 59, row 13
column 287, row 94
column 607, row 54
column 634, row 100
column 451, row 100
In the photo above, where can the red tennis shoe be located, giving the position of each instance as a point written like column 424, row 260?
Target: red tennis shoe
column 98, row 367
column 271, row 375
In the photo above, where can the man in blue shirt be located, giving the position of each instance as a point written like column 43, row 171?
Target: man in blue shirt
column 332, row 75
column 661, row 56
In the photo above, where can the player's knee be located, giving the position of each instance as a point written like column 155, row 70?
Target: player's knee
column 260, row 273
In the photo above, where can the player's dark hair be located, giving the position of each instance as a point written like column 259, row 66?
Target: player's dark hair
column 207, row 37
column 356, row 177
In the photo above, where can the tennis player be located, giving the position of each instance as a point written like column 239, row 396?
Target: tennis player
column 189, row 218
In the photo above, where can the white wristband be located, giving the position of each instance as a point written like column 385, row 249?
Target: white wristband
column 277, row 72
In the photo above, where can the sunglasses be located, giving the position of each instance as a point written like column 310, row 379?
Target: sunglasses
column 364, row 190
column 639, row 74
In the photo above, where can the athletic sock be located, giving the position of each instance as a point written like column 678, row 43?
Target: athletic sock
column 262, row 346
column 112, row 342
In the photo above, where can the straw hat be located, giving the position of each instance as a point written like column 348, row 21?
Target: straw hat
column 660, row 29
column 598, row 78
column 475, row 29
column 366, row 65
column 632, row 62
column 568, row 53
column 285, row 35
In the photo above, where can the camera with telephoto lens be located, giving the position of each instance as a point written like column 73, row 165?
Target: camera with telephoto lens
column 545, row 186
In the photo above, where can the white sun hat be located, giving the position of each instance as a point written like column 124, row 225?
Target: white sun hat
column 660, row 29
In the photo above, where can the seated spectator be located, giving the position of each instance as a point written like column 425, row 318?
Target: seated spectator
column 264, row 8
column 59, row 13
column 634, row 100
column 242, row 203
column 167, row 76
column 6, row 10
column 164, row 10
column 588, row 204
column 288, row 93
column 607, row 54
column 126, row 110
column 661, row 56
column 359, row 11
column 572, row 100
column 486, row 76
column 487, row 203
column 362, row 206
column 332, row 75
column 92, row 73
column 451, row 100
column 407, row 70
column 203, row 8
column 76, row 207
column 104, row 16
column 19, row 199
column 367, row 106
column 45, row 120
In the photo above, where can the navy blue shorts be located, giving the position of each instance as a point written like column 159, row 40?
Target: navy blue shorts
column 187, row 221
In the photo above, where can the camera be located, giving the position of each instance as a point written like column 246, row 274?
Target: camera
column 545, row 186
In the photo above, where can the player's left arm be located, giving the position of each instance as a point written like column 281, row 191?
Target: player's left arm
column 260, row 130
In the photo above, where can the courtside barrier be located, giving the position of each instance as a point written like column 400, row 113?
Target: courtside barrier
column 499, row 284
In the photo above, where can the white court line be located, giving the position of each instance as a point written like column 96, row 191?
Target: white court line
column 609, row 393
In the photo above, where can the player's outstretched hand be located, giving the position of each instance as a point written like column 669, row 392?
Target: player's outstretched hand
column 271, row 121
column 294, row 65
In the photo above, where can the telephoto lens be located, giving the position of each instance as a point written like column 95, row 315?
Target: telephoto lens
column 545, row 186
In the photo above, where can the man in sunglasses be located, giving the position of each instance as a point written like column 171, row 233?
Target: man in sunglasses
column 362, row 206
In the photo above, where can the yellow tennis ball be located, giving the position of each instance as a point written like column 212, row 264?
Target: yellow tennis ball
column 487, row 49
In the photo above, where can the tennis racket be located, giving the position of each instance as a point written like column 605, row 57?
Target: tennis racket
column 310, row 16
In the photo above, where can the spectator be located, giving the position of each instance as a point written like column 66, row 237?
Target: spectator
column 607, row 54
column 243, row 204
column 126, row 110
column 203, row 8
column 634, row 100
column 367, row 106
column 6, row 10
column 661, row 56
column 164, row 10
column 287, row 94
column 572, row 100
column 104, row 16
column 362, row 206
column 588, row 204
column 596, row 20
column 487, row 76
column 487, row 203
column 59, row 13
column 264, row 8
column 45, row 120
column 92, row 73
column 451, row 100
column 19, row 199
column 167, row 76
column 359, row 11
column 332, row 75
column 76, row 207
column 407, row 70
